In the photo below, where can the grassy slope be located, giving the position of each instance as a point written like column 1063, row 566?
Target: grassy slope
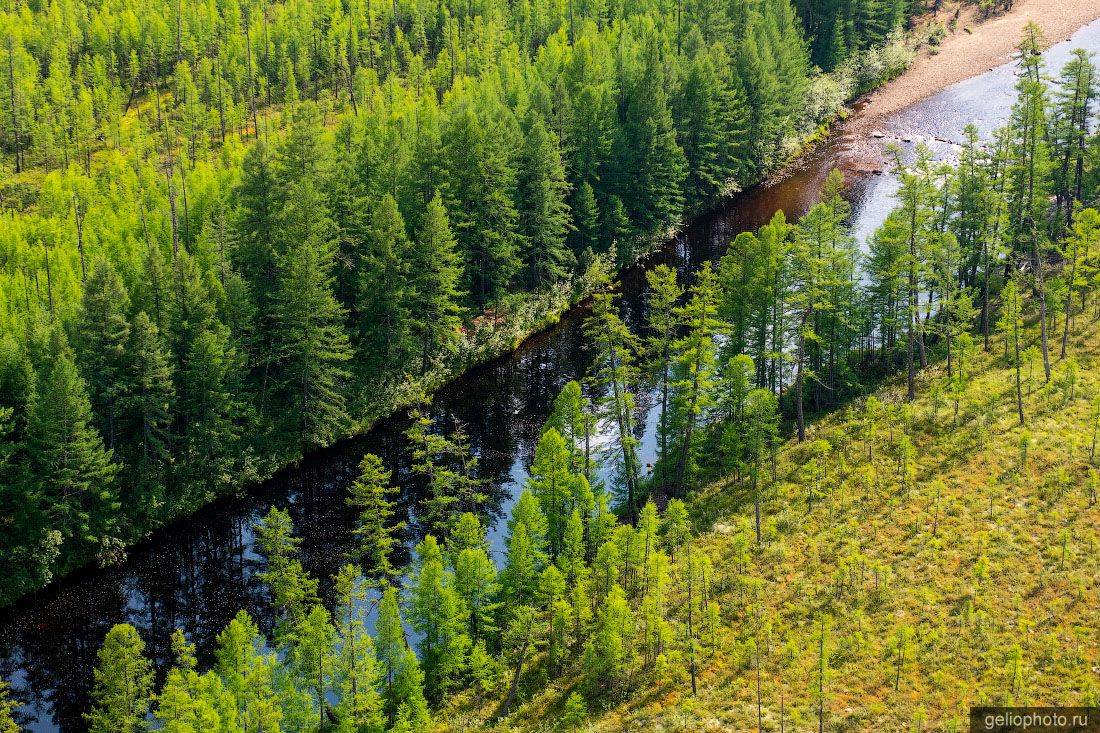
column 921, row 550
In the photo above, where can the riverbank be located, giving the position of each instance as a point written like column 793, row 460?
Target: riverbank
column 972, row 45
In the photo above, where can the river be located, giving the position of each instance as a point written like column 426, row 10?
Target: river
column 196, row 574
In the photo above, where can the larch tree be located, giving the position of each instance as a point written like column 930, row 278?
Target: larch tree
column 664, row 322
column 123, row 684
column 695, row 367
column 437, row 614
column 614, row 371
column 313, row 659
column 551, row 481
column 1011, row 326
column 370, row 494
column 1029, row 188
column 248, row 671
column 1079, row 251
column 7, row 710
column 914, row 213
column 293, row 591
column 357, row 673
column 391, row 648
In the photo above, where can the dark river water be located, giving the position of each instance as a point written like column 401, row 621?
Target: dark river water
column 196, row 574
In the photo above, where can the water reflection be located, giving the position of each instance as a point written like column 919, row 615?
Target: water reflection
column 197, row 574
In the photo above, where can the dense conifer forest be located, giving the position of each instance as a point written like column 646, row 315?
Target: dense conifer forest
column 874, row 502
column 236, row 232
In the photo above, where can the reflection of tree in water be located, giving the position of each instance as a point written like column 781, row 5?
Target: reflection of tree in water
column 198, row 573
column 56, row 646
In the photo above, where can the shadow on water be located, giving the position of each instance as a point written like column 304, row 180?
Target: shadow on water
column 196, row 574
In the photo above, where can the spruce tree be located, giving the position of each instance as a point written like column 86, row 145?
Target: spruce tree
column 434, row 299
column 76, row 472
column 384, row 296
column 101, row 337
column 480, row 201
column 213, row 416
column 544, row 218
column 585, row 236
column 148, row 412
column 310, row 346
column 651, row 164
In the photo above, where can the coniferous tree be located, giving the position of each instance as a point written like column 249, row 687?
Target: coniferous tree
column 436, row 613
column 1011, row 326
column 695, row 368
column 913, row 217
column 542, row 202
column 189, row 702
column 312, row 658
column 762, row 428
column 248, row 672
column 652, row 165
column 76, row 472
column 123, row 683
column 480, row 201
column 293, row 592
column 310, row 346
column 370, row 493
column 384, row 296
column 475, row 580
column 1073, row 108
column 102, row 339
column 664, row 322
column 553, row 484
column 1029, row 173
column 572, row 417
column 357, row 673
column 213, row 416
column 585, row 236
column 614, row 372
column 391, row 648
column 147, row 411
column 436, row 271
column 1080, row 253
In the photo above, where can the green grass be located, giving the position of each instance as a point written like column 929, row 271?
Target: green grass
column 981, row 554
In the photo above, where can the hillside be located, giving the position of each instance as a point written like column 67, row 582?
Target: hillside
column 823, row 481
column 979, row 552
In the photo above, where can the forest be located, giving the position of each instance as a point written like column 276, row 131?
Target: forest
column 237, row 232
column 860, row 449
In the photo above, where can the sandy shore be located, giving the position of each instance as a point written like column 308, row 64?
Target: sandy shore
column 962, row 54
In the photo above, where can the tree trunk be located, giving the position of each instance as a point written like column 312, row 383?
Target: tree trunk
column 516, row 675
